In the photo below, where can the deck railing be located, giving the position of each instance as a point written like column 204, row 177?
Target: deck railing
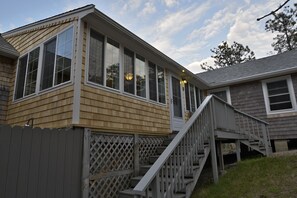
column 167, row 175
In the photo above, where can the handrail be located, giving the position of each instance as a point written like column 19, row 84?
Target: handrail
column 179, row 156
column 152, row 172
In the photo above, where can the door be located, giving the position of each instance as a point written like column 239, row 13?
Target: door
column 177, row 120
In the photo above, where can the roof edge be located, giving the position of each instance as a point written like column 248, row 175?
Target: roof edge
column 52, row 18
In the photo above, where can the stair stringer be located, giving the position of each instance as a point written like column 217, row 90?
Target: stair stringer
column 191, row 186
column 254, row 147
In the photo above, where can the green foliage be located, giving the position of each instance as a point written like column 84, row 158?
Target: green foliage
column 225, row 55
column 284, row 23
column 261, row 177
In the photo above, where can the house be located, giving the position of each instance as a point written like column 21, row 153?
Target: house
column 265, row 88
column 8, row 57
column 80, row 68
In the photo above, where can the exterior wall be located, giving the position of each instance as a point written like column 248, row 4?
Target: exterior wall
column 248, row 97
column 6, row 65
column 52, row 108
column 106, row 110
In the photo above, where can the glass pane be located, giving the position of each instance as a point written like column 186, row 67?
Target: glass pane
column 112, row 64
column 187, row 96
column 32, row 72
column 278, row 87
column 197, row 97
column 96, row 60
column 279, row 98
column 161, row 84
column 48, row 64
column 19, row 92
column 192, row 98
column 63, row 57
column 128, row 71
column 140, row 76
column 176, row 96
column 152, row 81
column 280, row 106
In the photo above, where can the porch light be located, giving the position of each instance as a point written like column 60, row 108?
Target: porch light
column 129, row 76
column 184, row 81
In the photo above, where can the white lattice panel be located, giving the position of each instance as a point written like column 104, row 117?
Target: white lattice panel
column 148, row 146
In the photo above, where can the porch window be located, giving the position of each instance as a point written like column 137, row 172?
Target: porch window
column 152, row 81
column 198, row 97
column 27, row 74
column 128, row 71
column 140, row 76
column 222, row 93
column 161, row 85
column 192, row 97
column 57, row 60
column 279, row 95
column 96, row 58
column 112, row 64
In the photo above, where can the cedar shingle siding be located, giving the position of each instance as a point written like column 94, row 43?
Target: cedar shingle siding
column 248, row 97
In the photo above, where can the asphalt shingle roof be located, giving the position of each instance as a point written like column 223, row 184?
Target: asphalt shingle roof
column 6, row 49
column 251, row 69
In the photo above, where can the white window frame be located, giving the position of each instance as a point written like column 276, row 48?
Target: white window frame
column 38, row 91
column 226, row 89
column 291, row 93
column 121, row 76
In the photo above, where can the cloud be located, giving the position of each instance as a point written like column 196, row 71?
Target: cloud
column 247, row 31
column 195, row 66
column 214, row 25
column 170, row 3
column 131, row 5
column 29, row 20
column 149, row 8
column 176, row 21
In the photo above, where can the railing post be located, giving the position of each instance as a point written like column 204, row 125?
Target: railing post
column 156, row 187
column 237, row 142
column 86, row 163
column 136, row 155
column 263, row 128
column 221, row 156
column 213, row 144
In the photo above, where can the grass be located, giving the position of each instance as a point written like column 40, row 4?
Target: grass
column 256, row 178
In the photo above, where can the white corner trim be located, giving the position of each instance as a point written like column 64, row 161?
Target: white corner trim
column 77, row 73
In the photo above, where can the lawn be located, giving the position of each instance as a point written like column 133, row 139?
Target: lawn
column 256, row 178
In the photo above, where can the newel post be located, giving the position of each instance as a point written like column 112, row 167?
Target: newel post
column 213, row 144
column 86, row 163
column 136, row 155
column 264, row 132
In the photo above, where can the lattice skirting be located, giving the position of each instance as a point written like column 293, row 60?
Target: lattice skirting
column 112, row 160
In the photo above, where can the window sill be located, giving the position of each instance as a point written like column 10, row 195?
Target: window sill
column 282, row 114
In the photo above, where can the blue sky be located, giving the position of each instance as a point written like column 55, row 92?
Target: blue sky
column 185, row 30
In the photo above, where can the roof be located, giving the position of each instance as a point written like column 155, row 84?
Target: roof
column 6, row 49
column 267, row 67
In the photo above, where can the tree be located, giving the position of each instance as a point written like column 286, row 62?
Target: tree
column 285, row 24
column 225, row 55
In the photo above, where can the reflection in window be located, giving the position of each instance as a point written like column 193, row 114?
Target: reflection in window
column 192, row 98
column 112, row 64
column 48, row 64
column 128, row 71
column 161, row 85
column 152, row 81
column 140, row 76
column 32, row 72
column 57, row 57
column 19, row 92
column 279, row 95
column 63, row 57
column 96, row 60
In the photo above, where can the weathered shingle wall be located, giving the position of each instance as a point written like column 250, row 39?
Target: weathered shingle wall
column 6, row 65
column 248, row 97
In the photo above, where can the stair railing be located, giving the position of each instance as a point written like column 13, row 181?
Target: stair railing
column 169, row 172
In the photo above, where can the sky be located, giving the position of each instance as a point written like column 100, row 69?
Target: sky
column 184, row 30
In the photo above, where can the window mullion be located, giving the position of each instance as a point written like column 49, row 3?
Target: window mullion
column 39, row 68
column 104, row 60
column 24, row 89
column 55, row 62
column 157, row 85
